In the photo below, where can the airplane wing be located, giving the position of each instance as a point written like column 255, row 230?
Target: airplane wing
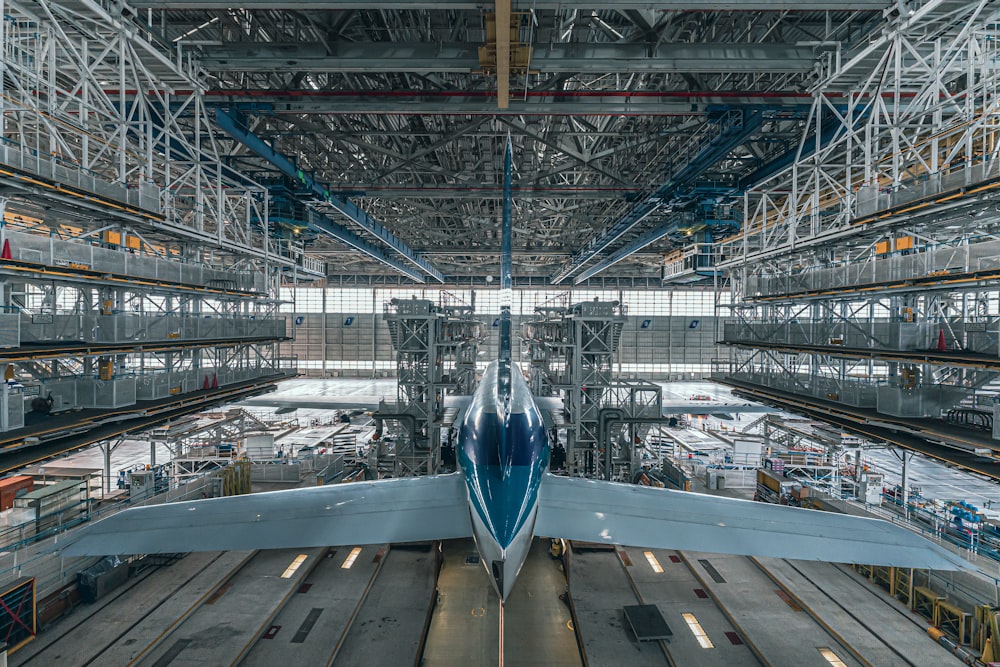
column 552, row 409
column 692, row 408
column 412, row 509
column 598, row 511
column 316, row 402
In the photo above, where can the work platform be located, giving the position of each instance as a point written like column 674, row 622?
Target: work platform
column 882, row 428
column 965, row 358
column 57, row 434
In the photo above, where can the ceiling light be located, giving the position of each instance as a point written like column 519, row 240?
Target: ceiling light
column 351, row 557
column 653, row 563
column 699, row 632
column 290, row 570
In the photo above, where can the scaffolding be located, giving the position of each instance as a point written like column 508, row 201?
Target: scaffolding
column 866, row 273
column 437, row 346
column 571, row 353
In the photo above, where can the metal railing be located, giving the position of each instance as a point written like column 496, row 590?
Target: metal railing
column 87, row 255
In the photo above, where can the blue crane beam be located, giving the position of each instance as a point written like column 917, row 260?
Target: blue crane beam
column 324, row 225
column 231, row 125
column 628, row 249
column 744, row 124
column 829, row 130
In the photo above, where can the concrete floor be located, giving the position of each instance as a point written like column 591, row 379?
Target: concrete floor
column 214, row 609
column 936, row 480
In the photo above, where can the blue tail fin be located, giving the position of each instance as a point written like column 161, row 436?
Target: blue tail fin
column 506, row 270
column 506, row 261
column 506, row 297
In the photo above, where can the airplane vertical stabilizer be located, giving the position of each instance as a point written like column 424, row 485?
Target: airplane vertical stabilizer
column 504, row 387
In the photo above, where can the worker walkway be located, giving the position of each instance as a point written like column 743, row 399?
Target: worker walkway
column 316, row 618
column 880, row 628
column 863, row 422
column 601, row 588
column 965, row 358
column 676, row 591
column 392, row 616
column 465, row 628
column 766, row 616
column 67, row 432
column 223, row 627
column 537, row 625
column 137, row 618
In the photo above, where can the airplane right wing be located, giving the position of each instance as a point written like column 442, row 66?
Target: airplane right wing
column 411, row 509
column 552, row 409
column 611, row 513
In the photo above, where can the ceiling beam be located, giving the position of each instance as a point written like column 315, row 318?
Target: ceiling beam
column 324, row 225
column 483, row 103
column 585, row 58
column 451, row 5
column 483, row 191
column 230, row 125
column 731, row 132
column 628, row 250
column 502, row 18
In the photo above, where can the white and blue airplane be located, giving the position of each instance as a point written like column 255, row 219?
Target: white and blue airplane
column 503, row 495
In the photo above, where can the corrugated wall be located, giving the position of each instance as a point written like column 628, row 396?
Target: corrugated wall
column 665, row 348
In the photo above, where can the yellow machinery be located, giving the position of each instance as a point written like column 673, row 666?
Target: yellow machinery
column 952, row 620
column 924, row 601
column 987, row 636
column 235, row 478
column 106, row 369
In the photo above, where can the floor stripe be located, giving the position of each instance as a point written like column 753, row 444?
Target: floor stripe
column 172, row 653
column 307, row 626
column 712, row 572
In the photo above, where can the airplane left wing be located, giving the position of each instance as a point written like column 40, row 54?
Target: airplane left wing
column 413, row 509
column 316, row 402
column 611, row 513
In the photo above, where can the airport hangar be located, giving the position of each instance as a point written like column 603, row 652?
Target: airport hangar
column 761, row 232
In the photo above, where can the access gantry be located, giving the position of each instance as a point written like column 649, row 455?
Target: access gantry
column 109, row 321
column 437, row 346
column 865, row 283
column 571, row 352
column 138, row 272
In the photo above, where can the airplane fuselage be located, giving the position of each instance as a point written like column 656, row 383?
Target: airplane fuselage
column 503, row 455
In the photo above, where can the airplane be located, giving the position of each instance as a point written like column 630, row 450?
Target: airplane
column 503, row 495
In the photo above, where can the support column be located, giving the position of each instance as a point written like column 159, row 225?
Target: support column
column 906, row 456
column 4, row 400
column 106, row 450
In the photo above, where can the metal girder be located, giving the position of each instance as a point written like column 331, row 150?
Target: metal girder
column 617, row 5
column 483, row 191
column 714, row 149
column 229, row 124
column 469, row 103
column 628, row 249
column 546, row 58
column 320, row 223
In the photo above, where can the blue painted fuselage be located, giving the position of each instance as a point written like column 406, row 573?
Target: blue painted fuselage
column 503, row 455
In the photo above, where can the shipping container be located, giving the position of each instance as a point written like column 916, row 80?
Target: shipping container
column 100, row 578
column 56, row 504
column 770, row 480
column 14, row 487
